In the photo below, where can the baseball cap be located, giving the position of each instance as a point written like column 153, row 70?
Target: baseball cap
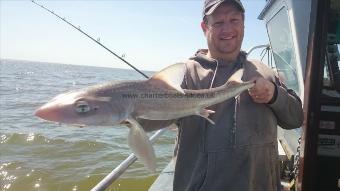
column 211, row 5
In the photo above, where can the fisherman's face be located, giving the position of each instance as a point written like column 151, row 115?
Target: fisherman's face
column 224, row 30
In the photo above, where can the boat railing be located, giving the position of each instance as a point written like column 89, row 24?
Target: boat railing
column 266, row 46
column 123, row 166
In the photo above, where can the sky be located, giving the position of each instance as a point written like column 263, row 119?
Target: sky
column 150, row 34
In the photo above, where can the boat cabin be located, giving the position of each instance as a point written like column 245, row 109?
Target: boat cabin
column 305, row 40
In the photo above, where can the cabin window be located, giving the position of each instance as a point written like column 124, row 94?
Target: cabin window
column 280, row 36
column 332, row 57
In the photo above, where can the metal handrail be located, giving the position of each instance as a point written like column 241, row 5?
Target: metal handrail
column 123, row 166
column 257, row 47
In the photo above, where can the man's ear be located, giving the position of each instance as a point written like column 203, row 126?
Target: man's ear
column 204, row 26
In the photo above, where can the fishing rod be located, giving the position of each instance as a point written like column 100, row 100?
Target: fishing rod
column 94, row 40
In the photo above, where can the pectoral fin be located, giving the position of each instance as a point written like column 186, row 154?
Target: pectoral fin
column 236, row 77
column 140, row 145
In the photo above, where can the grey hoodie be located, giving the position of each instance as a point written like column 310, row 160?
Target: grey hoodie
column 239, row 152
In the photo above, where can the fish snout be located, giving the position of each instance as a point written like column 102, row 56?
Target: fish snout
column 47, row 113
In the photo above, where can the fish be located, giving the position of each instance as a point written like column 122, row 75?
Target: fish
column 124, row 102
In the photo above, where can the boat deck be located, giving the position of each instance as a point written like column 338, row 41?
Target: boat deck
column 165, row 178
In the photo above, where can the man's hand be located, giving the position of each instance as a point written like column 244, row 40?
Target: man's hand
column 263, row 91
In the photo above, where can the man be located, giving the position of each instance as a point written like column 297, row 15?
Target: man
column 239, row 152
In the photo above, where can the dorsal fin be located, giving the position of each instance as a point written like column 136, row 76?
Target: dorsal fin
column 172, row 75
column 236, row 77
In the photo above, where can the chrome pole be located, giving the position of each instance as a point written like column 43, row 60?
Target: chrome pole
column 123, row 166
column 256, row 47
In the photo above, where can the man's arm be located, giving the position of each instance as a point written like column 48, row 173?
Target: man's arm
column 288, row 108
column 284, row 102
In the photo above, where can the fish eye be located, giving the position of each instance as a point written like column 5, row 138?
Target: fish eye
column 82, row 107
